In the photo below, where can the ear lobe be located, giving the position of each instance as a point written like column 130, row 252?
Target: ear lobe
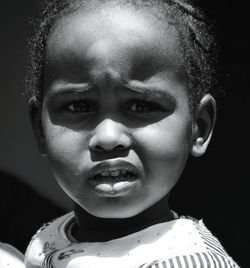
column 35, row 113
column 203, row 125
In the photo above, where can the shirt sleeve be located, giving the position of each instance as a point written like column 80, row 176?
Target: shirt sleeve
column 199, row 259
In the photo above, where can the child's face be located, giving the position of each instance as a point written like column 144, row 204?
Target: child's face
column 115, row 117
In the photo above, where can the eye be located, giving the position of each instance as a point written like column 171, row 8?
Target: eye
column 143, row 107
column 80, row 107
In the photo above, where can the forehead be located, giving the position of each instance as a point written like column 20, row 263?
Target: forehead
column 112, row 31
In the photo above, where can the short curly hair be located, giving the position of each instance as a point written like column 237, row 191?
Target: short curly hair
column 198, row 50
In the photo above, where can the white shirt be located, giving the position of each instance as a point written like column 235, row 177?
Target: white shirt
column 10, row 257
column 182, row 243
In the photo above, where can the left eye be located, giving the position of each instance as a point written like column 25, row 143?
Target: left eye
column 143, row 107
column 80, row 107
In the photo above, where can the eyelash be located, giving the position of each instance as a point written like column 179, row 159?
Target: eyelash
column 134, row 106
column 145, row 106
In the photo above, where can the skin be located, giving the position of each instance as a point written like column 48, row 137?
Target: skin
column 112, row 93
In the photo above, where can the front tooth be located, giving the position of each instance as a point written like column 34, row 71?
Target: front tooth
column 105, row 173
column 114, row 172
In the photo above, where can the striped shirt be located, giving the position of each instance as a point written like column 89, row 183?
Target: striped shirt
column 181, row 243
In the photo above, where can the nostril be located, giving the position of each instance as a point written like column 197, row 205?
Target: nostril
column 120, row 148
column 98, row 148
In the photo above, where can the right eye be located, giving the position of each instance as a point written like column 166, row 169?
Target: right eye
column 79, row 107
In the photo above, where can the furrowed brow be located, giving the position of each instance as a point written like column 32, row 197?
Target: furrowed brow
column 62, row 89
column 151, row 93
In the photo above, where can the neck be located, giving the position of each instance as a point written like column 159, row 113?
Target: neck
column 93, row 229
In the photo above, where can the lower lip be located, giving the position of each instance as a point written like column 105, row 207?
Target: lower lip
column 113, row 187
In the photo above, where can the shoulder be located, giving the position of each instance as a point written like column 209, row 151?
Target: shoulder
column 10, row 257
column 199, row 259
column 207, row 252
column 214, row 249
column 49, row 238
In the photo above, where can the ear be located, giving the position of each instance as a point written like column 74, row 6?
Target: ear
column 203, row 125
column 35, row 113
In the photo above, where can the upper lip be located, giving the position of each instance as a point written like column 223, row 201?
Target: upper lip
column 111, row 166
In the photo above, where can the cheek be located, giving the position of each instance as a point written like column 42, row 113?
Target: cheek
column 164, row 152
column 166, row 140
column 64, row 146
column 65, row 153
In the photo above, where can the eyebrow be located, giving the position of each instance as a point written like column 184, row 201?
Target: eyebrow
column 151, row 92
column 69, row 88
column 81, row 88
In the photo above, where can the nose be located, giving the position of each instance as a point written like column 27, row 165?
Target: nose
column 110, row 136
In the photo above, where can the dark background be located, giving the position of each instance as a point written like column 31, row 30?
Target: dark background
column 217, row 185
column 213, row 187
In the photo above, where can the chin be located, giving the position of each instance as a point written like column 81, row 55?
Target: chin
column 116, row 212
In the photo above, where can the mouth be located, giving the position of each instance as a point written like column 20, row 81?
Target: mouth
column 114, row 179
